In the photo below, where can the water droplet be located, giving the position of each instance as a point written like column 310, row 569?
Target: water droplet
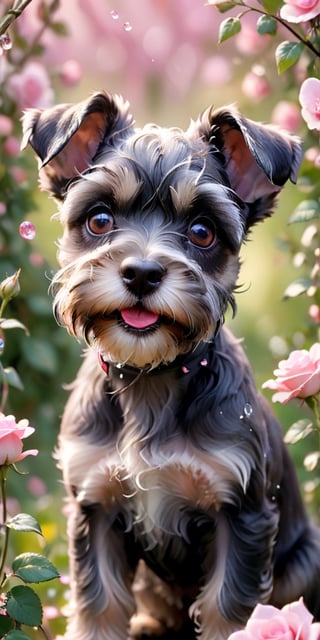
column 247, row 409
column 27, row 230
column 114, row 14
column 127, row 26
column 121, row 376
column 6, row 42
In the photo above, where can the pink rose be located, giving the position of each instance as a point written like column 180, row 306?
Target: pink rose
column 11, row 436
column 309, row 98
column 292, row 622
column 255, row 84
column 300, row 10
column 297, row 377
column 18, row 174
column 286, row 115
column 71, row 73
column 31, row 87
column 6, row 126
column 314, row 313
column 12, row 146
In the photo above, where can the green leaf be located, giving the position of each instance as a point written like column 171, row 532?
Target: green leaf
column 24, row 522
column 228, row 28
column 305, row 211
column 222, row 5
column 299, row 430
column 17, row 634
column 267, row 25
column 40, row 354
column 5, row 625
column 24, row 606
column 311, row 460
column 287, row 54
column 59, row 28
column 12, row 323
column 40, row 305
column 297, row 288
column 32, row 567
column 271, row 6
column 13, row 379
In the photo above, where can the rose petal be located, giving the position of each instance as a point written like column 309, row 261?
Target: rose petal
column 314, row 633
column 24, row 454
column 240, row 635
column 10, row 449
column 315, row 353
column 299, row 618
column 264, row 612
column 297, row 13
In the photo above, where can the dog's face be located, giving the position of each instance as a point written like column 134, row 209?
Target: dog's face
column 153, row 221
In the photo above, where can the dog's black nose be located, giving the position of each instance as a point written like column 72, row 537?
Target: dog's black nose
column 141, row 276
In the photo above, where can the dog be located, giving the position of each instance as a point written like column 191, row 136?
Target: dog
column 184, row 509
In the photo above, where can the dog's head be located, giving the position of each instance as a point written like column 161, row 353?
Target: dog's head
column 153, row 220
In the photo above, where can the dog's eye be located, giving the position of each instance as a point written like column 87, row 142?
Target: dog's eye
column 100, row 220
column 201, row 235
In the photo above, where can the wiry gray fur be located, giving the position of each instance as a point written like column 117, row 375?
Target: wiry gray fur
column 184, row 507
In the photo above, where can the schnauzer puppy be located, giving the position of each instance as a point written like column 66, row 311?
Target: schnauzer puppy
column 184, row 507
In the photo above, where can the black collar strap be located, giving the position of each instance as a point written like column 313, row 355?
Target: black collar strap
column 202, row 356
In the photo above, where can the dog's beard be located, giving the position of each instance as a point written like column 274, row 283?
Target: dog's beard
column 90, row 297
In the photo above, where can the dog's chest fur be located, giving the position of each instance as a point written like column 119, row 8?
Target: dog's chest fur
column 166, row 457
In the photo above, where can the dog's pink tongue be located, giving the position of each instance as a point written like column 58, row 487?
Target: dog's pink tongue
column 139, row 318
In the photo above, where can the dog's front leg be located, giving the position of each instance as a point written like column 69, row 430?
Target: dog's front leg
column 240, row 574
column 101, row 600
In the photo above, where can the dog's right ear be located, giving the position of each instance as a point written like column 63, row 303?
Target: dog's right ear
column 66, row 138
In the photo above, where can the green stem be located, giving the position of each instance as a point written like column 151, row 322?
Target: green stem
column 296, row 34
column 316, row 410
column 13, row 13
column 42, row 629
column 3, row 484
column 19, row 63
column 4, row 386
column 2, row 307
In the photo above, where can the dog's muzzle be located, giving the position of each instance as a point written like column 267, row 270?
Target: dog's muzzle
column 141, row 276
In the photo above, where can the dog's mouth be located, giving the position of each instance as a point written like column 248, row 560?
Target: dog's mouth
column 139, row 319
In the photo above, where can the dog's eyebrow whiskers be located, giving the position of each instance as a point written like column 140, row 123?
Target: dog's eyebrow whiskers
column 201, row 173
column 172, row 170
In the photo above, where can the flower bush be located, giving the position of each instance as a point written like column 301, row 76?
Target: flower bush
column 298, row 376
column 19, row 604
column 309, row 97
column 11, row 436
column 292, row 622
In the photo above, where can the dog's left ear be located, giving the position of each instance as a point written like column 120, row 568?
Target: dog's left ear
column 67, row 137
column 258, row 158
